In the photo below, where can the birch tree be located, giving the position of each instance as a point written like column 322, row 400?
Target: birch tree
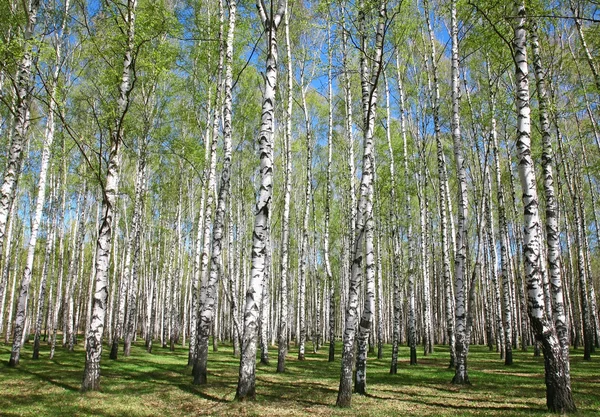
column 558, row 387
column 285, row 221
column 218, row 232
column 95, row 332
column 18, row 137
column 370, row 69
column 270, row 20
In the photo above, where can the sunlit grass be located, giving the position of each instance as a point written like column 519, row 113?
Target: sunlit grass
column 160, row 385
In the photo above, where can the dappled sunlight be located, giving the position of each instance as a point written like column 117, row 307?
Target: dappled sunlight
column 161, row 384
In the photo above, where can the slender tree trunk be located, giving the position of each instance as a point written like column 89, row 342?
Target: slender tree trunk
column 285, row 221
column 409, row 236
column 304, row 238
column 61, row 251
column 503, row 228
column 461, row 373
column 443, row 180
column 264, row 317
column 208, row 308
column 135, row 238
column 20, row 127
column 91, row 374
column 552, row 227
column 6, row 267
column 395, row 234
column 326, row 248
column 247, row 376
column 364, row 224
column 75, row 273
column 42, row 292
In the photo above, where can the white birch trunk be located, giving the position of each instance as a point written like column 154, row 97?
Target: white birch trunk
column 207, row 313
column 247, row 377
column 552, row 228
column 558, row 388
column 304, row 237
column 42, row 291
column 21, row 123
column 95, row 332
column 364, row 226
column 135, row 239
column 285, row 221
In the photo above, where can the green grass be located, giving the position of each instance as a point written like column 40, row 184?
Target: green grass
column 160, row 385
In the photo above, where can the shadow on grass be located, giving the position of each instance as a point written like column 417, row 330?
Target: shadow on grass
column 161, row 384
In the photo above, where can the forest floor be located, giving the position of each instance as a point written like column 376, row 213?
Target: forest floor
column 159, row 384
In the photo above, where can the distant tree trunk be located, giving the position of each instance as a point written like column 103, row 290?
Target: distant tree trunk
column 122, row 299
column 395, row 245
column 264, row 318
column 285, row 221
column 9, row 320
column 493, row 268
column 247, row 377
column 326, row 249
column 412, row 337
column 52, row 226
column 61, row 251
column 304, row 237
column 176, row 272
column 135, row 238
column 91, row 374
column 558, row 387
column 443, row 186
column 74, row 272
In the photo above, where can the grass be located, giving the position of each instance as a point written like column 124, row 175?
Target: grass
column 160, row 385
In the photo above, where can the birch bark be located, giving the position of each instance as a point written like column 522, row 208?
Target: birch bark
column 558, row 388
column 285, row 221
column 247, row 378
column 91, row 374
column 552, row 228
column 208, row 308
column 20, row 127
column 364, row 222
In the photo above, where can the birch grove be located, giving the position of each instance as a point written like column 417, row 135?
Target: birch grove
column 317, row 179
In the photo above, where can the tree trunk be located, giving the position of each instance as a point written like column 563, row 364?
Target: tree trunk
column 208, row 308
column 558, row 387
column 552, row 228
column 285, row 221
column 21, row 124
column 364, row 224
column 461, row 374
column 52, row 226
column 91, row 374
column 247, row 377
column 135, row 239
column 304, row 238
